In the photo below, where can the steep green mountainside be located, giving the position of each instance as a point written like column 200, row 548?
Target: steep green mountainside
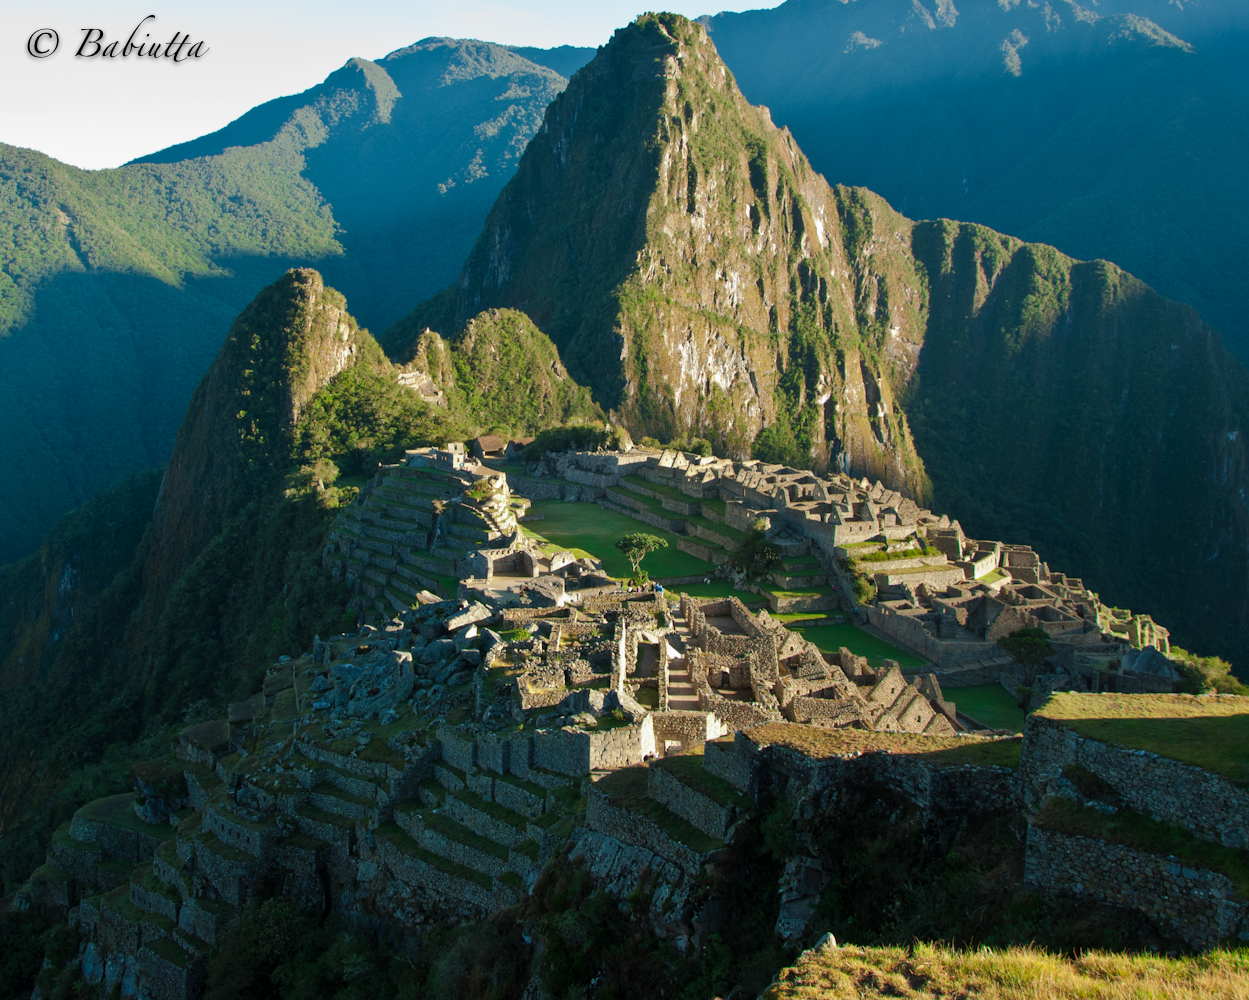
column 44, row 593
column 117, row 286
column 691, row 268
column 700, row 277
column 125, row 622
column 501, row 373
column 1114, row 129
column 1067, row 405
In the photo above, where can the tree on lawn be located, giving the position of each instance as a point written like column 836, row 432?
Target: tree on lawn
column 1029, row 648
column 755, row 554
column 635, row 548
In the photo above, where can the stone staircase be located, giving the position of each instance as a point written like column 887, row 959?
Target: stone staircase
column 682, row 693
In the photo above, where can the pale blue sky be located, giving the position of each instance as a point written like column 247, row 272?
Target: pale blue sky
column 96, row 114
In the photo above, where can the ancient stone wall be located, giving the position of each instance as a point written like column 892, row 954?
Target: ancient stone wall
column 563, row 751
column 965, row 790
column 721, row 758
column 1195, row 904
column 687, row 728
column 622, row 746
column 1206, row 804
column 910, row 632
column 169, row 978
column 631, row 828
column 713, row 818
column 450, row 891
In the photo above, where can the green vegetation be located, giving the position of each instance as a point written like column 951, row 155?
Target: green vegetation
column 1204, row 674
column 755, row 555
column 587, row 529
column 635, row 547
column 1131, row 829
column 1210, row 732
column 830, row 638
column 931, row 971
column 988, row 704
column 987, row 753
column 509, row 377
column 362, row 418
column 582, row 437
column 1028, row 647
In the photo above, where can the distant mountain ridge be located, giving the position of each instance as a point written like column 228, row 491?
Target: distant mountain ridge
column 117, row 286
column 1111, row 129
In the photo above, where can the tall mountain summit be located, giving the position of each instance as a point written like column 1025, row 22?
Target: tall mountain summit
column 702, row 278
column 691, row 266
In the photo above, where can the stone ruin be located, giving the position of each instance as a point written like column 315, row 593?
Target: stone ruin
column 937, row 592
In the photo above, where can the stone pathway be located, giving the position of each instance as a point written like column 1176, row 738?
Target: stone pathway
column 682, row 695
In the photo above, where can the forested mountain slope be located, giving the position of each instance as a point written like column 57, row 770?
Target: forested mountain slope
column 117, row 286
column 1111, row 129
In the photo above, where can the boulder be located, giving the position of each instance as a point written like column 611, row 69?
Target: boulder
column 489, row 639
column 437, row 650
column 384, row 678
column 475, row 612
column 471, row 656
column 464, row 637
column 320, row 683
column 446, row 670
column 461, row 677
column 1149, row 661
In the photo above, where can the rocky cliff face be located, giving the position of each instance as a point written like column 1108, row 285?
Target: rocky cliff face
column 692, row 268
column 239, row 429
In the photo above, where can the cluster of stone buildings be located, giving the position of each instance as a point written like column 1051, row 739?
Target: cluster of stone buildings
column 433, row 765
column 902, row 569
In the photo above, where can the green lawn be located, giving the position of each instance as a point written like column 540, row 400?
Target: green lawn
column 830, row 638
column 988, row 704
column 588, row 529
column 1210, row 732
column 719, row 588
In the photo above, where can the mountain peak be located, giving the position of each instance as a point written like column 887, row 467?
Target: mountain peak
column 684, row 257
column 287, row 344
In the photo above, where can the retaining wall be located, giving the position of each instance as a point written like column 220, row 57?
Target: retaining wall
column 1195, row 904
column 1206, row 804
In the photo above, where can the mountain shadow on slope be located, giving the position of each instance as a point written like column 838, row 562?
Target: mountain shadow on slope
column 121, row 283
column 1111, row 130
